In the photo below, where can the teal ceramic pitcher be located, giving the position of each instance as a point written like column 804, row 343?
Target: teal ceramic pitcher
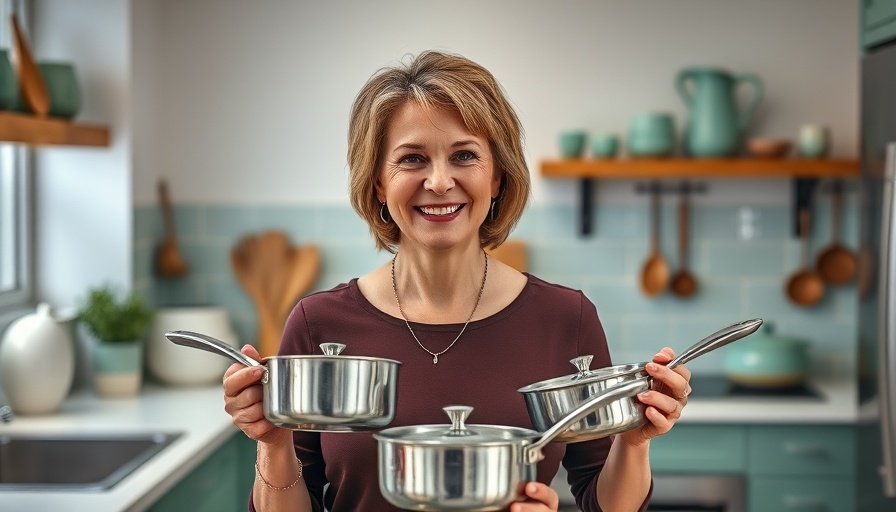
column 715, row 124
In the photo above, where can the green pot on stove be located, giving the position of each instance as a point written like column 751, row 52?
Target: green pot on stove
column 765, row 360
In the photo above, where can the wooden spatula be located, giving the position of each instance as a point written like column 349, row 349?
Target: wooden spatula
column 34, row 91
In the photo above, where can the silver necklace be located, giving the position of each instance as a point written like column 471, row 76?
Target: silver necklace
column 435, row 355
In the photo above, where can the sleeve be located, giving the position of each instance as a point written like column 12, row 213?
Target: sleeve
column 296, row 340
column 584, row 461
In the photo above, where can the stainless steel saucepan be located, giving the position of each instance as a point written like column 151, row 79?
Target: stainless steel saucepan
column 551, row 400
column 324, row 393
column 474, row 468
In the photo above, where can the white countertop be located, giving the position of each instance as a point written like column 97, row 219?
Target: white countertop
column 198, row 413
column 837, row 404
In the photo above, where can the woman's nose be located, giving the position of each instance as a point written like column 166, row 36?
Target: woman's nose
column 439, row 181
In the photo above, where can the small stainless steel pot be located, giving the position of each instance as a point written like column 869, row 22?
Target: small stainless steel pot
column 551, row 400
column 324, row 393
column 474, row 468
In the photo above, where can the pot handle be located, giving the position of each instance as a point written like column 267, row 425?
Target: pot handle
column 209, row 344
column 716, row 340
column 624, row 390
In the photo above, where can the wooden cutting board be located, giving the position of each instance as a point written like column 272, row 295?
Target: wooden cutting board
column 513, row 253
column 275, row 274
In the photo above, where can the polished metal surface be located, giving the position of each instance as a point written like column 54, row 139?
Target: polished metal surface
column 337, row 394
column 321, row 393
column 470, row 467
column 551, row 400
column 74, row 462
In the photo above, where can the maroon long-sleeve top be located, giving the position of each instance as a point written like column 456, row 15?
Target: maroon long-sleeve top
column 530, row 340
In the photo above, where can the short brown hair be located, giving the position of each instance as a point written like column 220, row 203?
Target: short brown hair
column 446, row 81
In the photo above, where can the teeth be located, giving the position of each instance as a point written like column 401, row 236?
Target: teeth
column 441, row 210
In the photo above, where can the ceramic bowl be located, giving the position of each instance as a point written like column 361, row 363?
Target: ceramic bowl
column 765, row 147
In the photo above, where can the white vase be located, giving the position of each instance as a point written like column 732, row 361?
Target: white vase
column 175, row 365
column 37, row 362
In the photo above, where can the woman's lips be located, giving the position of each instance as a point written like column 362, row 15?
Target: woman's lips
column 444, row 213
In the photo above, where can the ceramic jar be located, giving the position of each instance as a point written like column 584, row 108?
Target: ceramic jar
column 37, row 362
column 766, row 360
column 175, row 365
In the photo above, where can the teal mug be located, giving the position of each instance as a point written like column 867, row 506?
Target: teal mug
column 62, row 87
column 604, row 145
column 651, row 134
column 9, row 83
column 572, row 143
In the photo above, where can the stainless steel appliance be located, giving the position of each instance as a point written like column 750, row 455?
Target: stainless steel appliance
column 876, row 430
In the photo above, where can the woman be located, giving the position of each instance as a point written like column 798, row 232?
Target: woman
column 438, row 172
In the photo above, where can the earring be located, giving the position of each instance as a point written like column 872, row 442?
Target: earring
column 384, row 214
column 493, row 211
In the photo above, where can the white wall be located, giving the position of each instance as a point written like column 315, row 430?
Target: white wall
column 254, row 96
column 84, row 195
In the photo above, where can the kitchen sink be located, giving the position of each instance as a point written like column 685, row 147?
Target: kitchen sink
column 74, row 462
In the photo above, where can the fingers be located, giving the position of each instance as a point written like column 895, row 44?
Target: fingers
column 243, row 397
column 541, row 498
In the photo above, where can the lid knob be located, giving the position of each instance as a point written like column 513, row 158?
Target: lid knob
column 458, row 415
column 332, row 349
column 583, row 363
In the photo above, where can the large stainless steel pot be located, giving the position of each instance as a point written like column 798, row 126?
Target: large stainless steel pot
column 551, row 400
column 474, row 468
column 324, row 393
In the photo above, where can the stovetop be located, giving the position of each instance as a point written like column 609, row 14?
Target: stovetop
column 717, row 386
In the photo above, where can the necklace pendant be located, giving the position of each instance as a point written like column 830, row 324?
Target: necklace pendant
column 435, row 359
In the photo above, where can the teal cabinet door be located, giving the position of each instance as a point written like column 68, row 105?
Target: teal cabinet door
column 221, row 483
column 828, row 494
column 801, row 450
column 700, row 448
column 878, row 21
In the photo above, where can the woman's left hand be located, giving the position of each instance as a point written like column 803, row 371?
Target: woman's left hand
column 541, row 498
column 665, row 401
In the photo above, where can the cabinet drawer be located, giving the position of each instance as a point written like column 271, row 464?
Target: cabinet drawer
column 822, row 494
column 700, row 448
column 803, row 449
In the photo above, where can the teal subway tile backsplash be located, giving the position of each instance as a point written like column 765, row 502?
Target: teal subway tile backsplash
column 740, row 254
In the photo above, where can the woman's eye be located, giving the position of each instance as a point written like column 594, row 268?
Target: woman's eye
column 412, row 159
column 465, row 156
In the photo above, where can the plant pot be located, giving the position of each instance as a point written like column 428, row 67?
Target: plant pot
column 117, row 368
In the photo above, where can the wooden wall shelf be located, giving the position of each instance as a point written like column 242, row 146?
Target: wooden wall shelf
column 39, row 131
column 698, row 168
column 805, row 172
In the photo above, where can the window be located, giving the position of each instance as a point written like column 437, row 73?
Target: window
column 15, row 228
column 16, row 272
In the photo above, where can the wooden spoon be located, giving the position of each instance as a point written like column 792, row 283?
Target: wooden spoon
column 655, row 272
column 805, row 287
column 684, row 283
column 34, row 91
column 836, row 264
column 303, row 268
column 169, row 261
column 248, row 262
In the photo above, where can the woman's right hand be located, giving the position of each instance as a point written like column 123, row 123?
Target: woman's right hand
column 243, row 396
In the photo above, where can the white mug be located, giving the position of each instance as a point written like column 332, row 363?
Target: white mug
column 813, row 141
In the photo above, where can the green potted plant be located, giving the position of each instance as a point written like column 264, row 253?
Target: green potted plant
column 116, row 323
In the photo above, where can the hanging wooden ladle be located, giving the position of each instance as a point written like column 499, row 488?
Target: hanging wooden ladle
column 655, row 272
column 805, row 287
column 684, row 283
column 34, row 90
column 836, row 264
column 169, row 261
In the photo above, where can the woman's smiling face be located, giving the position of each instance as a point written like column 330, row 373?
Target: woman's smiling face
column 437, row 178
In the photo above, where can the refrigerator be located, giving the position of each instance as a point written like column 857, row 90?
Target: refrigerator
column 875, row 439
